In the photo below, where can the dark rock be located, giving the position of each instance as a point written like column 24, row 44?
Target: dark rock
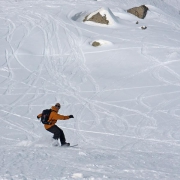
column 140, row 11
column 95, row 44
column 143, row 27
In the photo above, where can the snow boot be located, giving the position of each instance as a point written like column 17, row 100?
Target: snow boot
column 65, row 144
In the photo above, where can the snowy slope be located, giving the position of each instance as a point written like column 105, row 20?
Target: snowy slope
column 124, row 94
column 174, row 3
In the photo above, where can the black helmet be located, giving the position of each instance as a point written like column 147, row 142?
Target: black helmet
column 58, row 105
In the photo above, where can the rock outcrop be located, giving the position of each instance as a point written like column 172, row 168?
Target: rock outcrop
column 140, row 11
column 102, row 16
column 97, row 18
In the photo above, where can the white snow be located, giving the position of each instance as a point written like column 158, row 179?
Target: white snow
column 124, row 95
column 77, row 175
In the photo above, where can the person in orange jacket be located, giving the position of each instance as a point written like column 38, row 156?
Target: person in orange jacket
column 58, row 132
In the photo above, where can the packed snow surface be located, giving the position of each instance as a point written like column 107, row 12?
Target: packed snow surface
column 124, row 95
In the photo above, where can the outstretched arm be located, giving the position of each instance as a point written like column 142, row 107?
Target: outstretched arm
column 62, row 117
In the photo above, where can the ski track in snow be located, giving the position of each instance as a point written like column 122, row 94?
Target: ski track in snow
column 120, row 127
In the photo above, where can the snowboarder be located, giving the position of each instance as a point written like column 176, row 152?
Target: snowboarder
column 51, row 127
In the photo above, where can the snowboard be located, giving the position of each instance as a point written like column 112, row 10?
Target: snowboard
column 75, row 145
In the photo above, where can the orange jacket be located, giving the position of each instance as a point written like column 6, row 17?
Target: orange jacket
column 54, row 116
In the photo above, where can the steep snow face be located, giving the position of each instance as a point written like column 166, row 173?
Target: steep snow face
column 124, row 94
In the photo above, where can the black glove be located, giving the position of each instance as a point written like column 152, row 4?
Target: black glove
column 71, row 116
column 38, row 117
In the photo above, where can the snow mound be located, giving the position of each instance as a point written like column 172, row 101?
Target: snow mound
column 101, row 42
column 107, row 17
column 77, row 175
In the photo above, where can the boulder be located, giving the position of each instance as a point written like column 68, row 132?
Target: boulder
column 98, row 18
column 102, row 16
column 95, row 44
column 140, row 11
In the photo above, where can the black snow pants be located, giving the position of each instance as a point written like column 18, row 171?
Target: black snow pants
column 58, row 133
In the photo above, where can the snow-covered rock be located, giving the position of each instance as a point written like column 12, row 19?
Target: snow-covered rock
column 102, row 16
column 100, row 42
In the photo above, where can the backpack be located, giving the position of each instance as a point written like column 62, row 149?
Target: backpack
column 45, row 116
